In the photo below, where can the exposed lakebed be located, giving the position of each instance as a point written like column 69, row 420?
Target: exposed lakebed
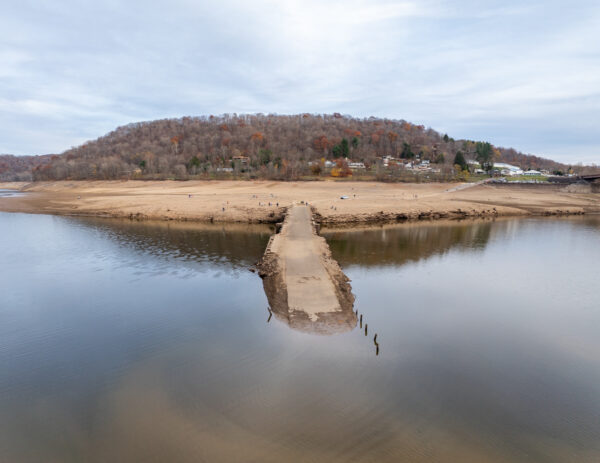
column 126, row 341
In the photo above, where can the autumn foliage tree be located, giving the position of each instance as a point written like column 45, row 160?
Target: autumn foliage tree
column 341, row 169
column 175, row 143
column 321, row 144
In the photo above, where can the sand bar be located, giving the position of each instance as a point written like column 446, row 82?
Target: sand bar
column 265, row 201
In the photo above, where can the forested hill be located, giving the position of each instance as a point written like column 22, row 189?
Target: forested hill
column 20, row 168
column 262, row 146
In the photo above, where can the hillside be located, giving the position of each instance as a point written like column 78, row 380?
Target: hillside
column 20, row 168
column 266, row 146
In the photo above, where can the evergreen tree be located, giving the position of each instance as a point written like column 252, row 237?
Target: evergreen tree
column 407, row 152
column 336, row 151
column 484, row 155
column 265, row 156
column 459, row 160
column 345, row 148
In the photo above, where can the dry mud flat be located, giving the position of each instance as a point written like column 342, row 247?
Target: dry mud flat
column 305, row 287
column 264, row 201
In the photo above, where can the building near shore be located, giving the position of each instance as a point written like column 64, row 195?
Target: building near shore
column 241, row 159
column 508, row 169
column 532, row 173
column 356, row 165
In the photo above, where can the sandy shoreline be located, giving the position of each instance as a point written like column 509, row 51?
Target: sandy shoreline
column 266, row 201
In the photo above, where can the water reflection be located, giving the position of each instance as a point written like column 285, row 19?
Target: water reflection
column 234, row 246
column 488, row 352
column 401, row 244
column 10, row 193
column 410, row 242
column 326, row 323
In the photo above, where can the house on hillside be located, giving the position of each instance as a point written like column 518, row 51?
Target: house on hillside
column 241, row 159
column 390, row 161
column 356, row 165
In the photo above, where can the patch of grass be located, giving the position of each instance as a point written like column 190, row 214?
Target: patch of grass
column 526, row 178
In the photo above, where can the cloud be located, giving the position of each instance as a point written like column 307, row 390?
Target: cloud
column 499, row 71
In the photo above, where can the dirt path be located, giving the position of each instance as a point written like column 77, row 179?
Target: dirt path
column 465, row 186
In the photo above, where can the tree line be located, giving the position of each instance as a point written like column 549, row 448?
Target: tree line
column 20, row 168
column 261, row 146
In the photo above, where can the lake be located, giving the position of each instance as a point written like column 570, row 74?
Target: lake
column 128, row 341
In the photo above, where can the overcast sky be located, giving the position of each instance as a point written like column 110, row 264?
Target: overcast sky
column 524, row 74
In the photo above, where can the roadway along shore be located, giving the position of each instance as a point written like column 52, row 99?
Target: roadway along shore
column 266, row 201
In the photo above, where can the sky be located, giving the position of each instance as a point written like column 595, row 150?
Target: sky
column 517, row 74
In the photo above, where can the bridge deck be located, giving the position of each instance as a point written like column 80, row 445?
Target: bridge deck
column 304, row 285
column 309, row 286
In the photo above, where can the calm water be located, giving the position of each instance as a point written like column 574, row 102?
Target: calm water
column 124, row 342
column 9, row 193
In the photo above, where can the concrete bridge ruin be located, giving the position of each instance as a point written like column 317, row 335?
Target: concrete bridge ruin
column 305, row 286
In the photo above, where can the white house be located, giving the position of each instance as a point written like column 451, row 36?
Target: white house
column 356, row 165
column 387, row 160
column 508, row 169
